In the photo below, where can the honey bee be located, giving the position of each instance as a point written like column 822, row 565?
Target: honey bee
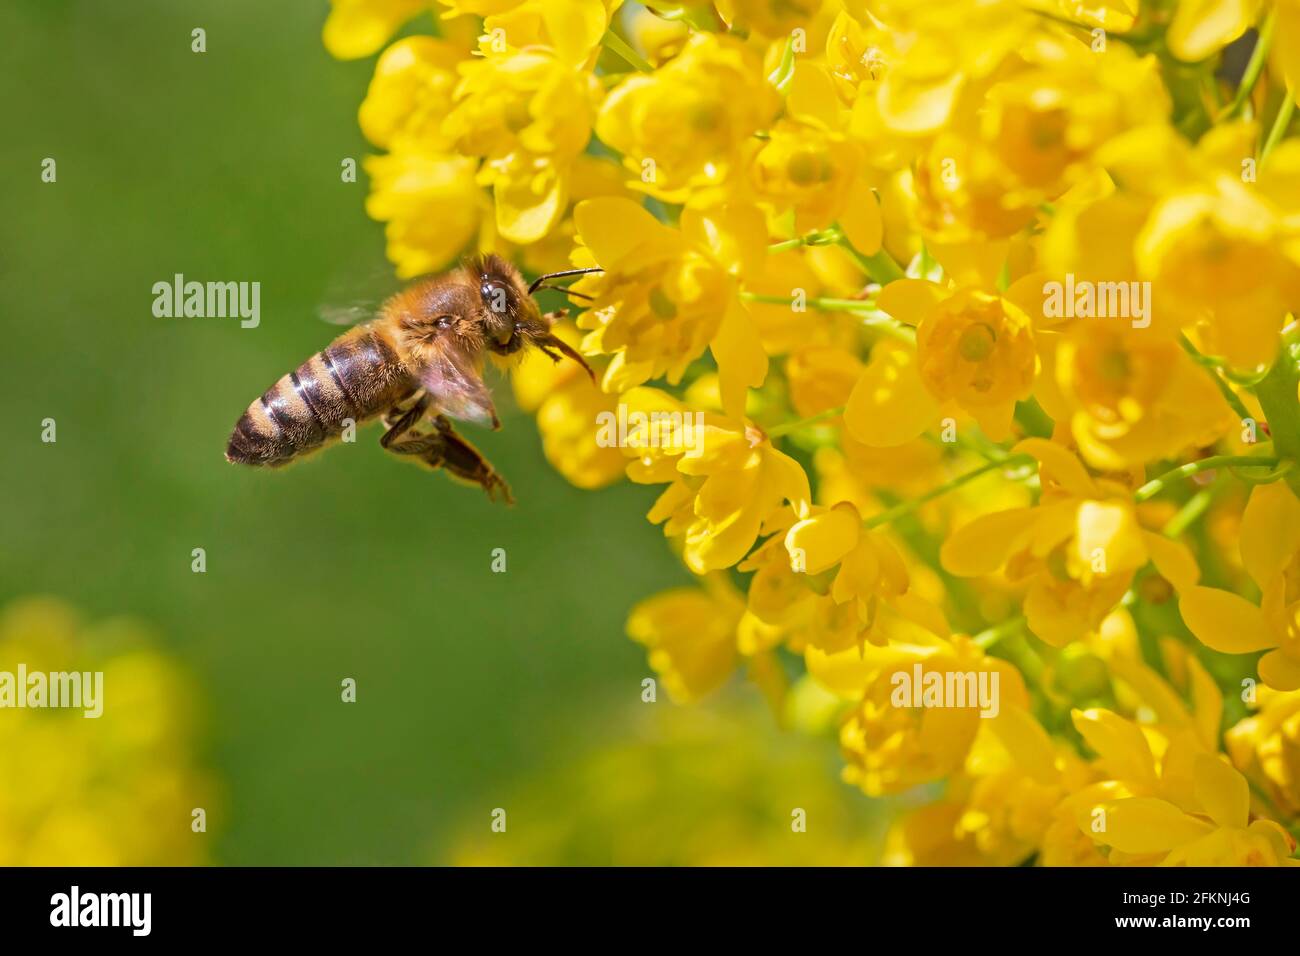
column 417, row 365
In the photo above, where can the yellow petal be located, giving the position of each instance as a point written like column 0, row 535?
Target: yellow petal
column 820, row 542
column 1146, row 825
column 983, row 545
column 356, row 28
column 1225, row 622
column 742, row 362
column 1120, row 744
column 909, row 300
column 1060, row 464
column 617, row 230
column 1203, row 27
column 1222, row 792
column 890, row 405
column 528, row 208
column 1173, row 560
column 1270, row 531
column 860, row 219
column 1028, row 743
column 1280, row 670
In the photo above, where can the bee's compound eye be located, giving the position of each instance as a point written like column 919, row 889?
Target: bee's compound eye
column 494, row 294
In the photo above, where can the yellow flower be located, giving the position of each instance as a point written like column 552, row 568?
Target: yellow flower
column 357, row 28
column 1012, row 796
column 1181, row 807
column 115, row 790
column 821, row 378
column 768, row 18
column 706, row 786
column 973, row 348
column 978, row 349
column 924, row 53
column 431, row 204
column 666, row 295
column 572, row 28
column 726, row 479
column 1131, row 396
column 1266, row 747
column 816, row 174
column 890, row 743
column 1036, row 133
column 1078, row 549
column 1201, row 28
column 528, row 114
column 568, row 408
column 691, row 636
column 410, row 94
column 1270, row 550
column 1114, row 15
column 682, row 127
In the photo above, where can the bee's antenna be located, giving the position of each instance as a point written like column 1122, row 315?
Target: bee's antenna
column 560, row 288
column 556, row 275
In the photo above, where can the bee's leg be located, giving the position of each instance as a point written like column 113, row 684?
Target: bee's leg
column 400, row 422
column 444, row 448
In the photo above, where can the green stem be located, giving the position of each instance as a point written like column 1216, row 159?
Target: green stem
column 1255, row 68
column 992, row 635
column 1277, row 397
column 880, row 266
column 864, row 309
column 821, row 237
column 624, row 50
column 789, row 427
column 1157, row 485
column 912, row 504
column 1229, row 395
column 1280, row 123
column 1188, row 513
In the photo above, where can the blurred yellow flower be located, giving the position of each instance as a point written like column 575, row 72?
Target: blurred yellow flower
column 116, row 790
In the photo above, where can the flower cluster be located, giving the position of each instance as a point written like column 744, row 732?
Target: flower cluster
column 959, row 338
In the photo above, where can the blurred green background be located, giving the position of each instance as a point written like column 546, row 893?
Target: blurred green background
column 225, row 166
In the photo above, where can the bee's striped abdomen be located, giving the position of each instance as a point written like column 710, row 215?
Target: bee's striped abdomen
column 358, row 376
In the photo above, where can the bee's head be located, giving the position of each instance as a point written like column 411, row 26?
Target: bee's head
column 507, row 307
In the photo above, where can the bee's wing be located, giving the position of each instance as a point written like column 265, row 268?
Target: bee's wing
column 458, row 390
column 355, row 290
column 348, row 313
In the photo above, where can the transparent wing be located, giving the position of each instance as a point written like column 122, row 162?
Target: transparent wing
column 458, row 389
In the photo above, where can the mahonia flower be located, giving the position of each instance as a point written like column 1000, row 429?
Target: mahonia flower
column 725, row 480
column 682, row 127
column 568, row 408
column 357, row 28
column 117, row 790
column 690, row 634
column 572, row 28
column 1077, row 550
column 1270, row 550
column 528, row 114
column 891, row 747
column 665, row 295
column 1129, row 397
column 1266, row 747
column 431, row 204
column 1187, row 808
column 972, row 348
